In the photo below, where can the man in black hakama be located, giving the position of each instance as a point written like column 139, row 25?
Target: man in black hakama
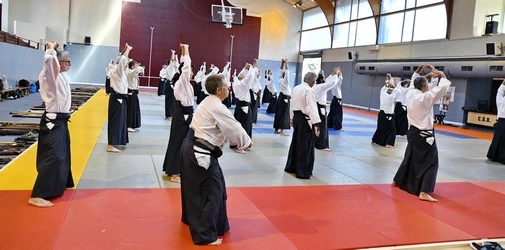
column 163, row 80
column 107, row 78
column 203, row 188
column 173, row 71
column 321, row 88
column 385, row 135
column 305, row 129
column 53, row 151
column 401, row 121
column 336, row 113
column 496, row 150
column 418, row 171
column 117, row 130
column 133, row 117
column 282, row 117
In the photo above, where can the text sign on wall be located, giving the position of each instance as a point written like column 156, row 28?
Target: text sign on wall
column 487, row 120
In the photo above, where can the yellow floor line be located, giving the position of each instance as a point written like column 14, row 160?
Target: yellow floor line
column 85, row 128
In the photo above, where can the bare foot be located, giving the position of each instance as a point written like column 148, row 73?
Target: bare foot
column 389, row 146
column 426, row 197
column 311, row 177
column 39, row 202
column 175, row 178
column 241, row 151
column 283, row 134
column 326, row 149
column 216, row 243
column 276, row 132
column 113, row 149
column 393, row 184
column 132, row 130
column 403, row 136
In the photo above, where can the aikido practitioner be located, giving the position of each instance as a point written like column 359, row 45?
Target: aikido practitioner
column 213, row 70
column 255, row 92
column 418, row 171
column 401, row 121
column 107, row 76
column 281, row 119
column 133, row 117
column 198, row 82
column 496, row 150
column 53, row 153
column 171, row 70
column 270, row 89
column 241, row 85
column 267, row 95
column 183, row 115
column 336, row 113
column 163, row 80
column 203, row 189
column 117, row 131
column 305, row 120
column 385, row 134
column 226, row 73
column 323, row 85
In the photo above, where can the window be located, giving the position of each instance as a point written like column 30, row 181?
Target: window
column 316, row 39
column 313, row 18
column 346, row 34
column 420, row 24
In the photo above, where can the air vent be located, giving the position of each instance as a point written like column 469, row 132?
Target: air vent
column 371, row 68
column 440, row 68
column 495, row 68
column 406, row 68
column 466, row 68
column 362, row 68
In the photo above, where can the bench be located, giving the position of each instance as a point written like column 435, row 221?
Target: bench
column 13, row 92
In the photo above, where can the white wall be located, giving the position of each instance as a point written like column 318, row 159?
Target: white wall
column 483, row 8
column 99, row 19
column 5, row 16
column 29, row 31
column 56, row 33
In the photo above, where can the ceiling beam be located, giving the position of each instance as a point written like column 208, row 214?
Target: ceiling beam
column 328, row 10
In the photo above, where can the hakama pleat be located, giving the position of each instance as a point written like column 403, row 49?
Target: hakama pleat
column 301, row 151
column 335, row 115
column 117, row 131
column 197, row 88
column 133, row 117
column 322, row 142
column 267, row 96
column 281, row 120
column 386, row 131
column 401, row 121
column 169, row 100
column 254, row 106
column 178, row 132
column 244, row 118
column 161, row 87
column 203, row 194
column 272, row 106
column 496, row 150
column 108, row 89
column 53, row 158
column 419, row 168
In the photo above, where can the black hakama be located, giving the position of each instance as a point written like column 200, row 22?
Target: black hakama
column 281, row 119
column 227, row 101
column 267, row 96
column 169, row 100
column 197, row 88
column 254, row 106
column 201, row 97
column 245, row 119
column 336, row 114
column 386, row 131
column 133, row 119
column 53, row 158
column 108, row 89
column 272, row 106
column 496, row 151
column 401, row 121
column 117, row 131
column 162, row 86
column 178, row 132
column 322, row 142
column 418, row 170
column 301, row 151
column 203, row 193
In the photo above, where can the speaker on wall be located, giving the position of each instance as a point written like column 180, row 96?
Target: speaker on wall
column 352, row 55
column 491, row 27
column 87, row 40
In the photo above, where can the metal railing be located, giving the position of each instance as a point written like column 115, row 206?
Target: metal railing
column 13, row 39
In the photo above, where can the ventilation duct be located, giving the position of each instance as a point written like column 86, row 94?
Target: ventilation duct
column 463, row 68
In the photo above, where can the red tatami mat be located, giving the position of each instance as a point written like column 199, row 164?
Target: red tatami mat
column 310, row 217
column 26, row 227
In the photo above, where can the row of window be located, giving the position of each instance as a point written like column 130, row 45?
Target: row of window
column 405, row 26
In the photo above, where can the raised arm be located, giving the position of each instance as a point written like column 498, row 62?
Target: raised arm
column 51, row 64
column 231, row 128
column 437, row 92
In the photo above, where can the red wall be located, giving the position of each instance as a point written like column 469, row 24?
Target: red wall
column 174, row 24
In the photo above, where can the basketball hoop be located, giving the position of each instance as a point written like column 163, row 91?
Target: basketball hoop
column 228, row 18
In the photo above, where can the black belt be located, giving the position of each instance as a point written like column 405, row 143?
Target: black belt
column 123, row 96
column 214, row 151
column 134, row 91
column 244, row 103
column 286, row 96
column 59, row 116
